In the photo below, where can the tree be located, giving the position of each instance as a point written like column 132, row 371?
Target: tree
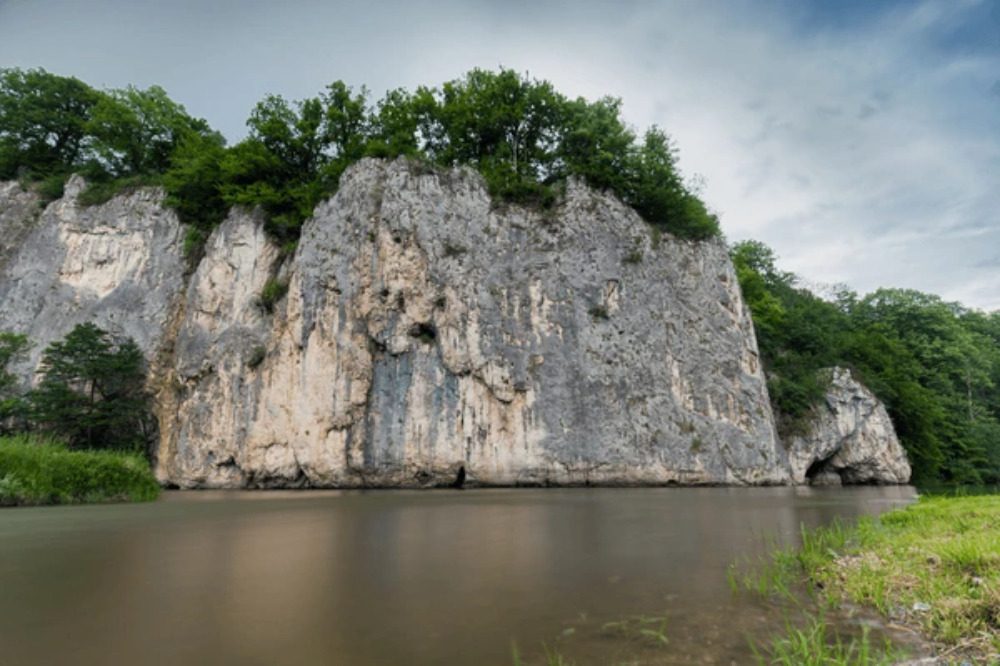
column 92, row 392
column 657, row 192
column 596, row 144
column 43, row 120
column 12, row 406
column 135, row 131
column 345, row 129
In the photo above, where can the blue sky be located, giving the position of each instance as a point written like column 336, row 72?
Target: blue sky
column 860, row 139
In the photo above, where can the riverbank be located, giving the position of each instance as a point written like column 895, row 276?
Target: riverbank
column 34, row 472
column 933, row 567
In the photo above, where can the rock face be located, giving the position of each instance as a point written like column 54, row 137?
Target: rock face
column 425, row 332
column 118, row 265
column 851, row 439
column 426, row 335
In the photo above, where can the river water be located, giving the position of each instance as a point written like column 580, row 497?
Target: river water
column 399, row 577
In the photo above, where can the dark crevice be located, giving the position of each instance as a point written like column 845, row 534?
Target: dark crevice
column 425, row 332
column 459, row 478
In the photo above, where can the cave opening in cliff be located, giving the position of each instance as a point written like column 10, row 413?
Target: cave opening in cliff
column 817, row 468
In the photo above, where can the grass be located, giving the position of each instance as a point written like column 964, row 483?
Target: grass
column 933, row 566
column 552, row 657
column 633, row 257
column 815, row 645
column 36, row 472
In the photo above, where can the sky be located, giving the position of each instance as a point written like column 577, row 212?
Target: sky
column 860, row 139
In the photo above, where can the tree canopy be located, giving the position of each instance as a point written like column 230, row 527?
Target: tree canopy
column 521, row 134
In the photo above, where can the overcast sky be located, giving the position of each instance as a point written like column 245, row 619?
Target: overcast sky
column 858, row 138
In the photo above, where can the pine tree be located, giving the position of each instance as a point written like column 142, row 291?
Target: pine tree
column 92, row 391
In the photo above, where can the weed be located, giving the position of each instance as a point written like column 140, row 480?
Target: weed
column 99, row 192
column 274, row 290
column 645, row 628
column 599, row 312
column 194, row 242
column 814, row 645
column 257, row 356
column 655, row 237
column 633, row 257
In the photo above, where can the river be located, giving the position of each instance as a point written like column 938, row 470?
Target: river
column 399, row 577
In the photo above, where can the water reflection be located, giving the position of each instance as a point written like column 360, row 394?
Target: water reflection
column 391, row 577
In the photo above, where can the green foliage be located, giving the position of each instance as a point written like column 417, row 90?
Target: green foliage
column 942, row 553
column 43, row 121
column 274, row 290
column 815, row 644
column 522, row 136
column 51, row 187
column 12, row 406
column 193, row 181
column 934, row 364
column 657, row 193
column 92, row 392
column 294, row 155
column 257, row 356
column 34, row 472
column 599, row 312
column 100, row 191
column 136, row 131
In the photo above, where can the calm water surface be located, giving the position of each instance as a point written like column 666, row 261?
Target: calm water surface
column 396, row 577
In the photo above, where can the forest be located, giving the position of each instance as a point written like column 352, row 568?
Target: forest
column 935, row 364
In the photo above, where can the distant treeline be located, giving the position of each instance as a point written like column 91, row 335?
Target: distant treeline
column 520, row 134
column 936, row 365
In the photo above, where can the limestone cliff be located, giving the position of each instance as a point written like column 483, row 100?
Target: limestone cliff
column 118, row 265
column 851, row 439
column 425, row 330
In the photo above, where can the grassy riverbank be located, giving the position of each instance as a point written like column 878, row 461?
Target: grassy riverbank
column 933, row 567
column 34, row 472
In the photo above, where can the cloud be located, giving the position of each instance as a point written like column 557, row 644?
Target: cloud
column 863, row 147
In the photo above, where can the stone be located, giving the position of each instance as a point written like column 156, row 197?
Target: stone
column 850, row 436
column 119, row 265
column 428, row 334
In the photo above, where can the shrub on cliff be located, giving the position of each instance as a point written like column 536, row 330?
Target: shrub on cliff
column 92, row 392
